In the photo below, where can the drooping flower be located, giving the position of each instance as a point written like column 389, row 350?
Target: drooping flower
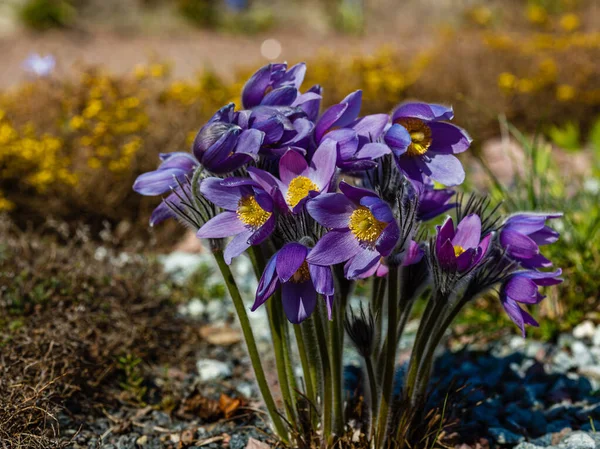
column 38, row 65
column 273, row 85
column 300, row 282
column 299, row 180
column 169, row 177
column 522, row 287
column 222, row 146
column 433, row 202
column 462, row 249
column 432, row 143
column 523, row 234
column 362, row 229
column 248, row 215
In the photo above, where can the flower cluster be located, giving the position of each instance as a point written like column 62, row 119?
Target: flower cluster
column 322, row 199
column 272, row 169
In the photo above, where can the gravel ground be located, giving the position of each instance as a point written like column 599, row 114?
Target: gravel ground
column 520, row 392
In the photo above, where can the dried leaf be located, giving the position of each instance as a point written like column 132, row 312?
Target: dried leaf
column 255, row 444
column 220, row 335
column 229, row 405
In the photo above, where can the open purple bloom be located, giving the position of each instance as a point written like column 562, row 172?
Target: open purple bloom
column 432, row 143
column 248, row 213
column 299, row 180
column 273, row 85
column 433, row 202
column 362, row 229
column 523, row 234
column 169, row 176
column 300, row 282
column 461, row 249
column 522, row 287
column 222, row 146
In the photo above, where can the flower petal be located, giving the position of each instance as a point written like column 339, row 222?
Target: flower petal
column 322, row 279
column 267, row 284
column 448, row 138
column 299, row 300
column 291, row 165
column 518, row 245
column 223, row 225
column 323, row 165
column 289, row 259
column 468, row 232
column 331, row 210
column 223, row 196
column 237, row 246
column 334, row 247
column 443, row 168
column 361, row 262
column 424, row 111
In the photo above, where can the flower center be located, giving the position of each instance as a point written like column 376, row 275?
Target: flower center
column 298, row 189
column 420, row 135
column 302, row 274
column 458, row 250
column 250, row 212
column 365, row 227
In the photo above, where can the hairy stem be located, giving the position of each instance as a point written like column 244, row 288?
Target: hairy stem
column 306, row 365
column 320, row 327
column 259, row 373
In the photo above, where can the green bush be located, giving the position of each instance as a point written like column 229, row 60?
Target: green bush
column 202, row 13
column 46, row 14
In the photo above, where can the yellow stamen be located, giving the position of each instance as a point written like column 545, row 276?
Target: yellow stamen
column 302, row 274
column 458, row 250
column 365, row 226
column 250, row 212
column 420, row 135
column 298, row 189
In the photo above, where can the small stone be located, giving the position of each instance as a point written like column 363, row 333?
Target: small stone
column 563, row 362
column 596, row 337
column 592, row 371
column 584, row 330
column 212, row 369
column 577, row 440
column 525, row 445
column 581, row 354
column 504, row 436
column 142, row 441
column 245, row 389
column 196, row 307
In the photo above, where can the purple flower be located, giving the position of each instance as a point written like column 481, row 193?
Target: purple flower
column 362, row 229
column 356, row 152
column 273, row 85
column 413, row 255
column 523, row 234
column 248, row 215
column 433, row 202
column 299, row 180
column 522, row 287
column 461, row 249
column 345, row 115
column 222, row 146
column 431, row 144
column 38, row 65
column 169, row 177
column 300, row 282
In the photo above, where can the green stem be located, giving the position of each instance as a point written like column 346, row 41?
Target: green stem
column 259, row 373
column 320, row 327
column 306, row 365
column 374, row 392
column 390, row 358
column 336, row 352
column 278, row 336
column 312, row 349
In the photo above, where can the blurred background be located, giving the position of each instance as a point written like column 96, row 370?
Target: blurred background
column 91, row 91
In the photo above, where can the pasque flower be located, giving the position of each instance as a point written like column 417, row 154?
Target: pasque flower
column 222, row 146
column 299, row 180
column 300, row 282
column 431, row 143
column 249, row 213
column 362, row 229
column 522, row 287
column 169, row 177
column 273, row 85
column 523, row 234
column 461, row 249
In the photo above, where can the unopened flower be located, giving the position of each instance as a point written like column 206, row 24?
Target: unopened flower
column 433, row 202
column 462, row 249
column 273, row 85
column 362, row 229
column 523, row 234
column 222, row 146
column 249, row 214
column 431, row 145
column 522, row 287
column 300, row 282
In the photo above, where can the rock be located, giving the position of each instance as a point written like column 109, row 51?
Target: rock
column 504, row 436
column 577, row 440
column 212, row 369
column 528, row 446
column 584, row 330
column 255, row 444
column 563, row 362
column 220, row 335
column 142, row 441
column 596, row 337
column 245, row 389
column 581, row 354
column 592, row 371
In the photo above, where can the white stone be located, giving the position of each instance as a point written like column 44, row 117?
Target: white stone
column 581, row 354
column 577, row 440
column 212, row 369
column 195, row 307
column 586, row 329
column 245, row 389
column 596, row 337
